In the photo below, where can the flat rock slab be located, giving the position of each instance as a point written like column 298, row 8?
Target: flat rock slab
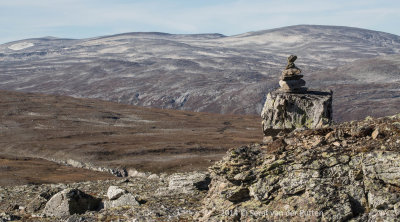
column 289, row 85
column 187, row 184
column 288, row 110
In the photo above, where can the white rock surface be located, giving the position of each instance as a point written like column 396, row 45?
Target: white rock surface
column 114, row 192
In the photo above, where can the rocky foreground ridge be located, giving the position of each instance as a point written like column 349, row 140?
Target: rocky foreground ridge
column 347, row 172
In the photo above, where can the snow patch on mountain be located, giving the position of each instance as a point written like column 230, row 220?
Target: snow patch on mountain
column 20, row 46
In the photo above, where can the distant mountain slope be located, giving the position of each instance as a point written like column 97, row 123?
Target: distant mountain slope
column 205, row 72
column 364, row 87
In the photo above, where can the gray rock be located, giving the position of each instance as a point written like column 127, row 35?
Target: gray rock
column 188, row 183
column 126, row 199
column 292, row 85
column 69, row 202
column 384, row 166
column 39, row 202
column 312, row 109
column 153, row 177
column 135, row 173
column 114, row 192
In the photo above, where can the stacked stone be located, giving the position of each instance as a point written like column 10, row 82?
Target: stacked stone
column 291, row 79
column 294, row 106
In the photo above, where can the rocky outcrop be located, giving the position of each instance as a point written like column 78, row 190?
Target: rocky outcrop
column 69, row 202
column 339, row 173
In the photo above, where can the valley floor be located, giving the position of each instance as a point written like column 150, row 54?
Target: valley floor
column 109, row 137
column 16, row 171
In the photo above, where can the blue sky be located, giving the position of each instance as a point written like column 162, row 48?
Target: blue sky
column 20, row 19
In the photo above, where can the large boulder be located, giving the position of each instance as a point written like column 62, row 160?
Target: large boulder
column 118, row 197
column 69, row 202
column 286, row 110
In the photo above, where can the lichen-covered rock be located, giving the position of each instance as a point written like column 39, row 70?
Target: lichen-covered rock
column 329, row 174
column 284, row 110
column 69, row 202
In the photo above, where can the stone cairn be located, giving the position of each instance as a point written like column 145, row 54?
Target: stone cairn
column 291, row 79
column 293, row 106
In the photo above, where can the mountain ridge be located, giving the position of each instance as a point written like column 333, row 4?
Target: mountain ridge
column 216, row 34
column 222, row 75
